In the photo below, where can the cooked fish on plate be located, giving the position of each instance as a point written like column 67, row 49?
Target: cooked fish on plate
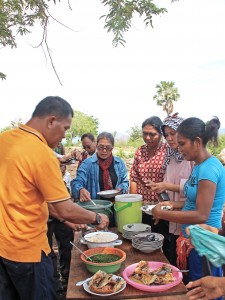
column 104, row 284
column 152, row 276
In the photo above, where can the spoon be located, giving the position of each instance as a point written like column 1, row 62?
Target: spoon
column 93, row 202
column 79, row 283
column 97, row 205
column 88, row 257
column 164, row 271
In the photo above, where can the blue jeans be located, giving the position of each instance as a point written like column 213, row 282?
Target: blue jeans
column 27, row 281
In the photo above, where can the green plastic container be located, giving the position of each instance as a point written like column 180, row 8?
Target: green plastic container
column 103, row 206
column 127, row 208
column 108, row 269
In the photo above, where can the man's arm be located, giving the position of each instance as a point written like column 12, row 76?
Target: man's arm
column 72, row 212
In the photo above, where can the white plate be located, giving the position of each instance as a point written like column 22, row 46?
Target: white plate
column 86, row 288
column 108, row 194
column 147, row 209
column 136, row 227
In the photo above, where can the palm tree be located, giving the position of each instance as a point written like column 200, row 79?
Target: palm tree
column 167, row 93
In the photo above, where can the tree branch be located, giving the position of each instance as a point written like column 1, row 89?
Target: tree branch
column 69, row 4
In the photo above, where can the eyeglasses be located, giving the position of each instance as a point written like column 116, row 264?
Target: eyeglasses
column 102, row 147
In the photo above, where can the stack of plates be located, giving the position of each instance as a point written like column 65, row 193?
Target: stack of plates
column 130, row 230
column 148, row 242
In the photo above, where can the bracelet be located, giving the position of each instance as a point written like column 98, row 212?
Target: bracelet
column 62, row 221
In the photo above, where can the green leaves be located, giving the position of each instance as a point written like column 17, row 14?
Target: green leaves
column 166, row 94
column 82, row 123
column 118, row 20
column 19, row 16
column 135, row 133
column 16, row 16
column 2, row 76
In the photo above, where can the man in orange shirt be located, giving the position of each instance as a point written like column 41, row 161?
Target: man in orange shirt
column 36, row 190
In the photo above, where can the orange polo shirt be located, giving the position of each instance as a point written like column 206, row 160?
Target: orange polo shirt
column 30, row 178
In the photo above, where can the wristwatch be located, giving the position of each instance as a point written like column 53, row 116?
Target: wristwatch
column 98, row 220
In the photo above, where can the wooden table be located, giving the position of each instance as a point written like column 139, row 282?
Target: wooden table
column 79, row 272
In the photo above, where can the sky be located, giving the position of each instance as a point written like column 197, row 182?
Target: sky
column 116, row 85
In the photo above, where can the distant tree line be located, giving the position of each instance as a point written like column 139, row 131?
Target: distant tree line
column 166, row 95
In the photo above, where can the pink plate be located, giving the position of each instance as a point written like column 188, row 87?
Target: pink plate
column 152, row 288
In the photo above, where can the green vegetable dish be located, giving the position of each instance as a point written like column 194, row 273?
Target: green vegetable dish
column 104, row 258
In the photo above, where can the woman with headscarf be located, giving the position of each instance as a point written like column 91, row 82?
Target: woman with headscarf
column 177, row 173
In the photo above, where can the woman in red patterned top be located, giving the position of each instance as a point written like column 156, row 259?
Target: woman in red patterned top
column 148, row 166
column 148, row 161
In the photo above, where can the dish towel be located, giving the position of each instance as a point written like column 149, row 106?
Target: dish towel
column 209, row 244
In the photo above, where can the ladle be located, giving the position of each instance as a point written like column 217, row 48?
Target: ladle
column 88, row 257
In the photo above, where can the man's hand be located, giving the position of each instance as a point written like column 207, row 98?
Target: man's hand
column 76, row 154
column 104, row 223
column 208, row 287
column 75, row 227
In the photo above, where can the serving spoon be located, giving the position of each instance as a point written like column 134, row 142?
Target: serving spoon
column 79, row 283
column 88, row 257
column 93, row 202
column 163, row 272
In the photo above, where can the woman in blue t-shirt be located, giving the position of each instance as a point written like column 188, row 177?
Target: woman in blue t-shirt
column 204, row 190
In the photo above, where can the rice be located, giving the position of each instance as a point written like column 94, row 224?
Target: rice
column 100, row 238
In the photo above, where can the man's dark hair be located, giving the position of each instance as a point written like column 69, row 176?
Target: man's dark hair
column 88, row 135
column 53, row 105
